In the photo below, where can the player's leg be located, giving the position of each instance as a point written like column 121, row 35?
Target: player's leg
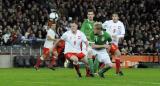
column 104, row 69
column 90, row 61
column 82, row 57
column 53, row 58
column 118, row 62
column 41, row 58
column 66, row 63
column 74, row 58
column 96, row 65
column 76, row 65
column 88, row 72
column 116, row 52
column 105, row 59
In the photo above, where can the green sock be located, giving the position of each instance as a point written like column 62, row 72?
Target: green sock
column 103, row 70
column 96, row 65
column 91, row 65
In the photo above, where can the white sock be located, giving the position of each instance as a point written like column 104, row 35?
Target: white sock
column 41, row 58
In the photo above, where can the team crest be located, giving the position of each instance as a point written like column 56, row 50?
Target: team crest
column 79, row 37
column 119, row 27
column 102, row 39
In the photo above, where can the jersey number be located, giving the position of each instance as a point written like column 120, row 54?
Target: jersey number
column 74, row 42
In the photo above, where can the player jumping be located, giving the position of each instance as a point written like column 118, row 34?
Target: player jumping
column 48, row 45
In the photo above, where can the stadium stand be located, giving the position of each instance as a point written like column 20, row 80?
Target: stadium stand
column 27, row 19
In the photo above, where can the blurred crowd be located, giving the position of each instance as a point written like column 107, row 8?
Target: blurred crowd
column 27, row 19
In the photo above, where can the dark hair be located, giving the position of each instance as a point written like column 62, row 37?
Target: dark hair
column 73, row 21
column 90, row 10
column 115, row 14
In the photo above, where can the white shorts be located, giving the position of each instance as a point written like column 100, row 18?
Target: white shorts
column 86, row 51
column 102, row 56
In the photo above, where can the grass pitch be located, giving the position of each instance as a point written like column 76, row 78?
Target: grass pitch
column 68, row 77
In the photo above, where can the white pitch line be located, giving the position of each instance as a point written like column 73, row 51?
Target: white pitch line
column 146, row 82
column 54, row 83
column 36, row 82
column 141, row 82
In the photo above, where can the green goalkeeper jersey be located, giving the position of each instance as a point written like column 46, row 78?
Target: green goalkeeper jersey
column 87, row 28
column 100, row 39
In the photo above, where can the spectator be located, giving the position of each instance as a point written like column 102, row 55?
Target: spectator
column 157, row 45
column 32, row 39
column 6, row 37
column 141, row 18
column 1, row 39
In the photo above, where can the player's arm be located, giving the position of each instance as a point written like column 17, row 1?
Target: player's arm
column 122, row 33
column 108, row 39
column 105, row 25
column 84, row 42
column 92, row 42
column 99, row 46
column 63, row 37
column 84, row 39
column 50, row 38
column 56, row 43
column 83, row 27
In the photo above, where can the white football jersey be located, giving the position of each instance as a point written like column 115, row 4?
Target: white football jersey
column 49, row 43
column 73, row 42
column 114, row 29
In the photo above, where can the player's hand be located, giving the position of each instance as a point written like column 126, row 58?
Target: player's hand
column 94, row 46
column 107, row 46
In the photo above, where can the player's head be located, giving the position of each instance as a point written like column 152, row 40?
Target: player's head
column 115, row 17
column 97, row 28
column 53, row 17
column 74, row 26
column 53, row 26
column 90, row 14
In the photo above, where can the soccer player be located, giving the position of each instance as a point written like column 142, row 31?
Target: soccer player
column 117, row 31
column 73, row 51
column 87, row 25
column 48, row 45
column 99, row 40
column 87, row 28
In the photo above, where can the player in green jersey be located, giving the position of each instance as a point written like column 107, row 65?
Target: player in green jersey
column 99, row 39
column 87, row 28
column 87, row 25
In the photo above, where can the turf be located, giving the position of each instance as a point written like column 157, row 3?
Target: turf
column 67, row 77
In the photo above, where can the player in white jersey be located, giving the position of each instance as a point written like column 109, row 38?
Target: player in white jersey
column 117, row 31
column 48, row 48
column 73, row 47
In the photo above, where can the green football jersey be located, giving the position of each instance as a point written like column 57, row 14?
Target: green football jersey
column 87, row 28
column 100, row 39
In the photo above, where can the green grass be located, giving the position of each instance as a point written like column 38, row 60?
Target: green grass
column 68, row 77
